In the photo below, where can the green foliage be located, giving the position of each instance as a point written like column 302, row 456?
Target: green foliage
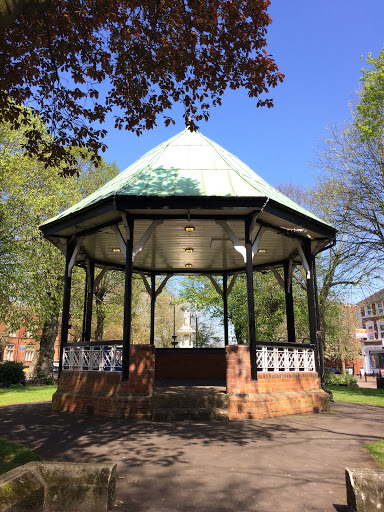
column 11, row 373
column 339, row 380
column 13, row 455
column 370, row 109
column 31, row 269
column 199, row 293
column 206, row 336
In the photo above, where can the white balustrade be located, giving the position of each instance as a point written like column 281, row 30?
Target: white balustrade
column 99, row 358
column 109, row 358
column 285, row 359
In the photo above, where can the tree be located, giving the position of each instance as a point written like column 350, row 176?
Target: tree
column 341, row 345
column 206, row 336
column 74, row 62
column 31, row 269
column 358, row 169
column 199, row 293
column 370, row 109
column 340, row 266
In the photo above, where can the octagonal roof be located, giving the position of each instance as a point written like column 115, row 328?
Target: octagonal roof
column 187, row 165
column 188, row 178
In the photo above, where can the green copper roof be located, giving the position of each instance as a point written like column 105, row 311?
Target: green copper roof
column 188, row 164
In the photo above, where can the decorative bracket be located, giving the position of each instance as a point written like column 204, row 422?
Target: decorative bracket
column 233, row 280
column 236, row 242
column 148, row 287
column 144, row 239
column 76, row 250
column 96, row 282
column 303, row 258
column 120, row 239
column 256, row 243
column 218, row 288
column 280, row 280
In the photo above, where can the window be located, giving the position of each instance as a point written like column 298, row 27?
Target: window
column 29, row 351
column 368, row 310
column 377, row 359
column 370, row 331
column 379, row 308
column 8, row 352
column 380, row 328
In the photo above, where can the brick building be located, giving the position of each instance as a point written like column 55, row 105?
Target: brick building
column 19, row 346
column 370, row 313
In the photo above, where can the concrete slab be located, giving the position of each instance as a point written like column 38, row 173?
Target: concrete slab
column 288, row 464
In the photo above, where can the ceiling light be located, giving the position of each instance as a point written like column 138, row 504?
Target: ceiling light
column 189, row 249
column 188, row 265
column 262, row 251
column 189, row 228
column 116, row 249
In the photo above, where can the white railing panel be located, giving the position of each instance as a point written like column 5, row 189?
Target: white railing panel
column 102, row 358
column 285, row 359
column 109, row 358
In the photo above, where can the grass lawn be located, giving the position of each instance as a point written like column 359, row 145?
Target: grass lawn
column 13, row 455
column 358, row 395
column 377, row 450
column 22, row 394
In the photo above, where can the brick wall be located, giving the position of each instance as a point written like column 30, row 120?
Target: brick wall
column 189, row 363
column 273, row 394
column 104, row 393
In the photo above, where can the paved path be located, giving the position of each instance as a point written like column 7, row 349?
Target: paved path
column 371, row 382
column 290, row 464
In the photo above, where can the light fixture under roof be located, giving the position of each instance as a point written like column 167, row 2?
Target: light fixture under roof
column 116, row 249
column 189, row 229
column 188, row 265
column 189, row 249
column 262, row 251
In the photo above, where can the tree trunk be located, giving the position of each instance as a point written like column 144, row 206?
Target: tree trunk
column 100, row 313
column 41, row 369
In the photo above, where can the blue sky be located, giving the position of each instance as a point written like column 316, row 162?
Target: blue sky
column 318, row 45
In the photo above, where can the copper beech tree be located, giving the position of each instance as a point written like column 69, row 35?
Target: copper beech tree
column 75, row 62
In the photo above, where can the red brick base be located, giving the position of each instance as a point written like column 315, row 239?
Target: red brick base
column 104, row 393
column 272, row 394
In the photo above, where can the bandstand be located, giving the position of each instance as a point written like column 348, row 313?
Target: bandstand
column 190, row 207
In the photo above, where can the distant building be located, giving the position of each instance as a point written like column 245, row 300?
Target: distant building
column 19, row 346
column 370, row 313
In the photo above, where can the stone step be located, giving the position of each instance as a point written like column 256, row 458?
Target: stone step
column 191, row 414
column 192, row 400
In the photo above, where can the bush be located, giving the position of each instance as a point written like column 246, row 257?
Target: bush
column 339, row 380
column 45, row 380
column 11, row 373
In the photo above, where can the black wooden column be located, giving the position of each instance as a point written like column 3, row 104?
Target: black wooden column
column 250, row 301
column 312, row 304
column 89, row 301
column 127, row 301
column 85, row 304
column 225, row 307
column 289, row 303
column 153, row 305
column 66, row 302
column 320, row 340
